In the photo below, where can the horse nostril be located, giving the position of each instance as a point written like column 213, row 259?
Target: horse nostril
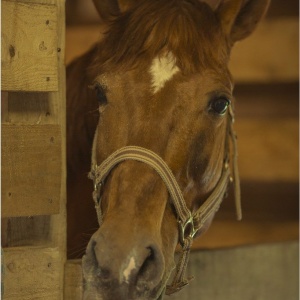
column 150, row 272
column 103, row 274
column 138, row 266
column 147, row 263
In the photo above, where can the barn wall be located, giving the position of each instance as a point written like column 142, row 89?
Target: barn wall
column 33, row 148
column 260, row 272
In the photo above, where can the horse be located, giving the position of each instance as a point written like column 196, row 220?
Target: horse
column 150, row 113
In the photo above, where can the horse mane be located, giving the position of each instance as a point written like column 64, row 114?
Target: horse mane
column 187, row 28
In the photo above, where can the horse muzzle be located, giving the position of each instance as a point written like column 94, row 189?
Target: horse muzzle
column 121, row 266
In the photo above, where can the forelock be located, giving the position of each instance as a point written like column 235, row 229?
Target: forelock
column 188, row 29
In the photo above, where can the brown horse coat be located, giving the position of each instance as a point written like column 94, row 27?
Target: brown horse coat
column 159, row 80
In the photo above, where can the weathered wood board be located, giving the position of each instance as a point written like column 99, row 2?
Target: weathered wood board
column 29, row 46
column 33, row 149
column 32, row 273
column 268, row 149
column 73, row 287
column 260, row 272
column 270, row 54
column 31, row 169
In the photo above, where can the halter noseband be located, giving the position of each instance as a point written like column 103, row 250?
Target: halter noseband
column 188, row 223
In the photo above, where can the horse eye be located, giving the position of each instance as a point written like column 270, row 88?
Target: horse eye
column 220, row 105
column 100, row 94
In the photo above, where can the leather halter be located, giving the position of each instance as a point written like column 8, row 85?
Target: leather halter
column 188, row 223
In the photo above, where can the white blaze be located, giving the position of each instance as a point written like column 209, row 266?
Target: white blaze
column 131, row 266
column 162, row 69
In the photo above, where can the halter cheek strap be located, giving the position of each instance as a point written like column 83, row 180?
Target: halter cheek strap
column 188, row 223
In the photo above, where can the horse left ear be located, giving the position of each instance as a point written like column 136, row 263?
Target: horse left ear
column 107, row 9
column 239, row 18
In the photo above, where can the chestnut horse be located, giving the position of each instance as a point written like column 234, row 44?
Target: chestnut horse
column 150, row 109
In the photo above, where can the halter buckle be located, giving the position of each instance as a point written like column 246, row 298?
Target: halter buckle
column 186, row 230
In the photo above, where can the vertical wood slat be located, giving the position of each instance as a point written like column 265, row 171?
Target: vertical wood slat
column 33, row 134
column 73, row 280
column 59, row 222
column 31, row 170
column 29, row 46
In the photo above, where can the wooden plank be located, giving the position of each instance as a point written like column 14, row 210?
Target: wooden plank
column 31, row 169
column 268, row 149
column 254, row 272
column 73, row 280
column 270, row 54
column 259, row 58
column 32, row 273
column 257, row 272
column 226, row 233
column 59, row 221
column 29, row 47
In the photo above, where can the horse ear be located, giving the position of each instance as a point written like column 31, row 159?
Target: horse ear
column 239, row 18
column 110, row 8
column 107, row 8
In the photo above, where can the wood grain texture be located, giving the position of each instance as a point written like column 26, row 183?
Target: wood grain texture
column 226, row 233
column 33, row 148
column 270, row 54
column 59, row 221
column 29, row 47
column 31, row 170
column 31, row 273
column 73, row 280
column 268, row 149
column 260, row 272
column 257, row 272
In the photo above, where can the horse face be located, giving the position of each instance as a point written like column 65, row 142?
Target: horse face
column 180, row 121
column 164, row 104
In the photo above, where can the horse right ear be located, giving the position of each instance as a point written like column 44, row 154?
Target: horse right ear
column 108, row 9
column 239, row 18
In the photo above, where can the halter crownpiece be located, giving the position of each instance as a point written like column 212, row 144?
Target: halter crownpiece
column 188, row 223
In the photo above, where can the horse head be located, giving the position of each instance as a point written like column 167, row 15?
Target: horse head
column 160, row 151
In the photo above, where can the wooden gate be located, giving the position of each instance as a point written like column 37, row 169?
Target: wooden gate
column 33, row 149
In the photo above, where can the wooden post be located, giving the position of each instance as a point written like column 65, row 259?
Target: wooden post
column 33, row 149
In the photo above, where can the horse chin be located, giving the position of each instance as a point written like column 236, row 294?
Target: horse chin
column 97, row 296
column 92, row 291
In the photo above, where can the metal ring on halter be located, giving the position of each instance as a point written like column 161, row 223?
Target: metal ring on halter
column 186, row 230
column 97, row 190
